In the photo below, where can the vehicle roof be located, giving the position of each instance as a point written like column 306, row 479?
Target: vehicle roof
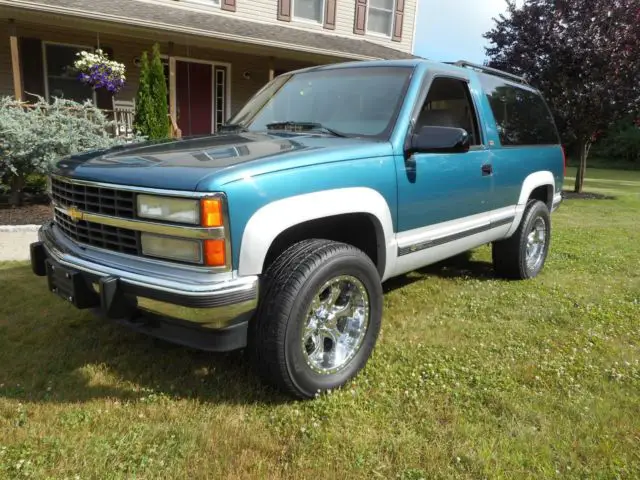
column 414, row 62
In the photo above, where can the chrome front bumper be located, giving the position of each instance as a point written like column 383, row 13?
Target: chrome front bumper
column 188, row 296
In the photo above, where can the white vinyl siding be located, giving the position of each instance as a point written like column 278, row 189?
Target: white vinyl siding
column 265, row 11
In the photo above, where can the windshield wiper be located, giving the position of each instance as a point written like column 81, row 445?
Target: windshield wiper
column 301, row 126
column 233, row 127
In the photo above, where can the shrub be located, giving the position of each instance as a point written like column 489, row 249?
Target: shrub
column 152, row 108
column 33, row 136
column 621, row 143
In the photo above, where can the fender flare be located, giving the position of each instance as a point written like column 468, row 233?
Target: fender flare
column 542, row 178
column 272, row 219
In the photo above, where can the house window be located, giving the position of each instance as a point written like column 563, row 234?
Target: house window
column 312, row 10
column 60, row 79
column 380, row 17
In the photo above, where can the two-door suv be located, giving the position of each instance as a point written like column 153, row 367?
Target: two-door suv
column 277, row 233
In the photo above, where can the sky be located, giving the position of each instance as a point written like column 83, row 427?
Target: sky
column 450, row 30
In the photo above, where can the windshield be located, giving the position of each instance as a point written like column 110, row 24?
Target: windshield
column 357, row 101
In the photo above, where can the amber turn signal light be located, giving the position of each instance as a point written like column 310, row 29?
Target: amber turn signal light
column 211, row 212
column 214, row 253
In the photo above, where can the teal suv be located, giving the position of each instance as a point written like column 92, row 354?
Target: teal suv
column 277, row 232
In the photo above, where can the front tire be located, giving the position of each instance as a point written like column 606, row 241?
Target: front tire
column 523, row 255
column 319, row 317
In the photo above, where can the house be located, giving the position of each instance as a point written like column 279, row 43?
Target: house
column 217, row 53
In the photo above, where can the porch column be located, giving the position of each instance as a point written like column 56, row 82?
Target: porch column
column 15, row 60
column 172, row 86
column 271, row 68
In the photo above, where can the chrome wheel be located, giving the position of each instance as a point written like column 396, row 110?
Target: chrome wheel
column 336, row 325
column 536, row 242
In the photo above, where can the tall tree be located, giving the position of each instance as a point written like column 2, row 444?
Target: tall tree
column 152, row 108
column 158, row 90
column 143, row 99
column 582, row 54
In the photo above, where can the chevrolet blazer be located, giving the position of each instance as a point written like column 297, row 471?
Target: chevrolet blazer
column 277, row 232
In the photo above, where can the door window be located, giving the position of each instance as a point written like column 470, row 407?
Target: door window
column 448, row 104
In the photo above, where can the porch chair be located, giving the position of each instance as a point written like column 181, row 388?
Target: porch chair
column 123, row 114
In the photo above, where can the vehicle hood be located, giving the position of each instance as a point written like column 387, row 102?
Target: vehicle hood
column 198, row 162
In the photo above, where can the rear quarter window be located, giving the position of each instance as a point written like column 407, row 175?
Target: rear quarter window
column 522, row 116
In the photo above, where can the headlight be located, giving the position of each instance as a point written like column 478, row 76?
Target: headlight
column 185, row 250
column 179, row 210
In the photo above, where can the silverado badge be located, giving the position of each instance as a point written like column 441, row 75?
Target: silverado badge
column 75, row 214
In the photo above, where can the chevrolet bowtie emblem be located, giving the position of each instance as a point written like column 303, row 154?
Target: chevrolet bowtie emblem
column 75, row 214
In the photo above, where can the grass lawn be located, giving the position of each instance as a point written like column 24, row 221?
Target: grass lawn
column 473, row 377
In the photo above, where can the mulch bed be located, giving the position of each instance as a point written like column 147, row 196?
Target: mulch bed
column 585, row 196
column 34, row 214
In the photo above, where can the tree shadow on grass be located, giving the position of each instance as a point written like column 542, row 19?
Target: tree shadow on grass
column 460, row 266
column 52, row 352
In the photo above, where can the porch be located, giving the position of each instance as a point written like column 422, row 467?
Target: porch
column 207, row 80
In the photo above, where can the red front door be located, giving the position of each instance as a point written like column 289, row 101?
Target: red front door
column 194, row 97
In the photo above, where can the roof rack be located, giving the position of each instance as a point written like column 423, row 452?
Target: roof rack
column 492, row 71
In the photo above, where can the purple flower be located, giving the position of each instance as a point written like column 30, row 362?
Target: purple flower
column 102, row 76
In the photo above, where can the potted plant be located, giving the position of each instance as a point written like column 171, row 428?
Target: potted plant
column 96, row 70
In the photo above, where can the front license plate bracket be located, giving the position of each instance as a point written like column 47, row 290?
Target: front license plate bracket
column 71, row 286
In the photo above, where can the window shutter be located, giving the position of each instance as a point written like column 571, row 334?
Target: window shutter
column 360, row 17
column 229, row 5
column 398, row 20
column 104, row 98
column 32, row 67
column 330, row 14
column 284, row 10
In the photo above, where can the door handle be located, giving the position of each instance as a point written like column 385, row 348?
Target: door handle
column 487, row 169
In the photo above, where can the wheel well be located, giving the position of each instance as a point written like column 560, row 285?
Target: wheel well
column 544, row 193
column 361, row 230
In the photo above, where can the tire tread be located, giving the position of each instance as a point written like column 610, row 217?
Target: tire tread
column 506, row 254
column 283, row 279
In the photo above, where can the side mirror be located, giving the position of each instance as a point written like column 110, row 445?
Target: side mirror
column 439, row 140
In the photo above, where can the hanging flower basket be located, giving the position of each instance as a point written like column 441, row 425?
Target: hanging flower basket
column 96, row 70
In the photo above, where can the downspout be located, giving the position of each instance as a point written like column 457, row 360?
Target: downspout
column 415, row 24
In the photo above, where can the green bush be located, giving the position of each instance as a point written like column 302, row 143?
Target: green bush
column 152, row 109
column 34, row 136
column 620, row 144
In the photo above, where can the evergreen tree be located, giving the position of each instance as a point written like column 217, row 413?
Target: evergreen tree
column 152, row 109
column 143, row 99
column 158, row 90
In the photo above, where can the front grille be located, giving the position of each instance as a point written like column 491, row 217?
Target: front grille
column 104, row 201
column 98, row 235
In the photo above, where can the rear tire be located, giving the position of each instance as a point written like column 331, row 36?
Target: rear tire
column 523, row 255
column 318, row 319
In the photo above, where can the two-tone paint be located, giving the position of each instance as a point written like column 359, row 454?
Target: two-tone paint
column 427, row 206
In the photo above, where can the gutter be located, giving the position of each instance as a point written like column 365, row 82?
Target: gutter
column 178, row 29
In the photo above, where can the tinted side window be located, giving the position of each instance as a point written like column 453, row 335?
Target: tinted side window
column 449, row 104
column 522, row 116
